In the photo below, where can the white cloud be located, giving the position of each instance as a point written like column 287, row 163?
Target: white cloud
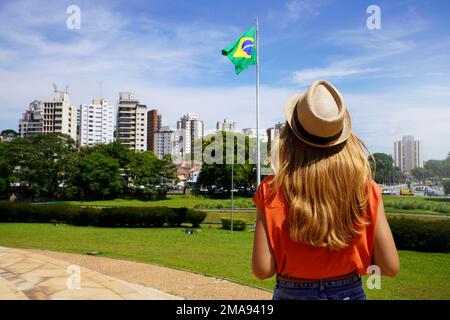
column 333, row 72
column 297, row 10
column 162, row 63
column 382, row 118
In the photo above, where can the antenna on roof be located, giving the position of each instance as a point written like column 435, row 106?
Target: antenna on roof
column 55, row 88
column 67, row 89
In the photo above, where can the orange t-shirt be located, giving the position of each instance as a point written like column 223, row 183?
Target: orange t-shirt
column 308, row 262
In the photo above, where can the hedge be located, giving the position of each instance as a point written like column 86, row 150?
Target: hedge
column 238, row 224
column 416, row 204
column 100, row 217
column 421, row 235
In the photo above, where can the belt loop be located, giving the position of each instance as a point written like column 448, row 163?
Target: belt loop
column 322, row 285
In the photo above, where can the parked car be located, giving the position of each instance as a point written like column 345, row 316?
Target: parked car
column 430, row 193
column 406, row 192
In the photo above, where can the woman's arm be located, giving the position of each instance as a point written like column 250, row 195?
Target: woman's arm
column 384, row 252
column 263, row 262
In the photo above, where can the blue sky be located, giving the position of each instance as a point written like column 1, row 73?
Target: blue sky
column 396, row 81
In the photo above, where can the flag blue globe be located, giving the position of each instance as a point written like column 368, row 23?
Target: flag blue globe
column 247, row 46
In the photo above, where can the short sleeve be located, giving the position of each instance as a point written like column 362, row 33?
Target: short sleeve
column 258, row 198
column 374, row 202
column 376, row 191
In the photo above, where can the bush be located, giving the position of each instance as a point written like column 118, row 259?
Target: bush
column 152, row 194
column 447, row 186
column 417, row 204
column 238, row 224
column 101, row 217
column 179, row 216
column 84, row 216
column 195, row 217
column 419, row 235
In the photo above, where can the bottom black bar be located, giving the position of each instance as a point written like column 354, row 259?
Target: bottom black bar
column 212, row 309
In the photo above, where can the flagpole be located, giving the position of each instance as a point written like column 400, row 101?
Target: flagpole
column 258, row 152
column 232, row 189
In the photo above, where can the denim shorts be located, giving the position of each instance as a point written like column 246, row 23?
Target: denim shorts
column 349, row 288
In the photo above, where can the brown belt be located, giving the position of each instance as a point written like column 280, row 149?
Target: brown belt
column 300, row 280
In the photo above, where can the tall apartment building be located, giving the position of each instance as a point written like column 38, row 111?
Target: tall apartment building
column 190, row 129
column 408, row 154
column 32, row 119
column 131, row 127
column 226, row 126
column 164, row 141
column 96, row 123
column 251, row 132
column 51, row 116
column 273, row 133
column 153, row 125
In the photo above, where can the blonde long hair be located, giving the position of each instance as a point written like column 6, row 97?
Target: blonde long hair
column 327, row 189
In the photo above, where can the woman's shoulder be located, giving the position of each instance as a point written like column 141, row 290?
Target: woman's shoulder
column 264, row 195
column 375, row 190
column 266, row 184
column 268, row 180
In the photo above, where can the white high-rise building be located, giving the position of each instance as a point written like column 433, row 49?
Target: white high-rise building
column 51, row 116
column 190, row 129
column 251, row 132
column 226, row 126
column 408, row 154
column 96, row 123
column 164, row 141
column 131, row 128
column 273, row 133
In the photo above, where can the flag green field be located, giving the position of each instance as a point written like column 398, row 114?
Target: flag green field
column 242, row 52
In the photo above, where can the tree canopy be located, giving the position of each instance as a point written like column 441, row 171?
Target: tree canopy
column 52, row 167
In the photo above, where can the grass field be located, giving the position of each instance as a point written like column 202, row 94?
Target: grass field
column 250, row 216
column 215, row 252
column 392, row 203
column 174, row 201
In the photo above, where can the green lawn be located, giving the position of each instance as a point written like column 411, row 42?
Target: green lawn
column 215, row 252
column 250, row 216
column 174, row 201
column 404, row 204
column 215, row 216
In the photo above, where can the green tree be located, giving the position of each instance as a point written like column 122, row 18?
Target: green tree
column 145, row 169
column 169, row 172
column 384, row 168
column 98, row 176
column 115, row 150
column 41, row 162
column 435, row 167
column 146, row 174
column 446, row 166
column 219, row 174
column 447, row 186
column 118, row 151
column 420, row 174
column 9, row 132
column 5, row 171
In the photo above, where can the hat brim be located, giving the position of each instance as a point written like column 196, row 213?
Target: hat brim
column 289, row 110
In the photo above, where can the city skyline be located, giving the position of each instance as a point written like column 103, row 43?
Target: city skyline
column 95, row 124
column 394, row 80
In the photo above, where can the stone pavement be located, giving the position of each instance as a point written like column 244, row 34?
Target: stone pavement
column 181, row 283
column 26, row 275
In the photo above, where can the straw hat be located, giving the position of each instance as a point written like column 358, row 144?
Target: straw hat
column 319, row 117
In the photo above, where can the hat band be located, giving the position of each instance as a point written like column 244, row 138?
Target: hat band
column 313, row 138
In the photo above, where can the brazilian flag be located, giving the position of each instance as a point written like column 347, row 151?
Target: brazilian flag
column 242, row 52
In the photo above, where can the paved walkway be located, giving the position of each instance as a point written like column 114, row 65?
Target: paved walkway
column 41, row 274
column 180, row 283
column 26, row 275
